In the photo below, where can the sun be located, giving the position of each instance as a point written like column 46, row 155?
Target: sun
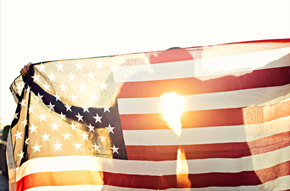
column 172, row 106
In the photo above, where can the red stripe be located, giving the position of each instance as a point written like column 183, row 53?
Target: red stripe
column 208, row 118
column 187, row 86
column 203, row 151
column 154, row 182
column 264, row 41
column 190, row 119
column 63, row 178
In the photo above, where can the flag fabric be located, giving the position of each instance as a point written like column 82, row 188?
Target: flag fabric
column 98, row 123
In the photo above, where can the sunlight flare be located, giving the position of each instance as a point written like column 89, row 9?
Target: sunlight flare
column 172, row 106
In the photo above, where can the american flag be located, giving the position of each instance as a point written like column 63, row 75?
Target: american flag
column 100, row 123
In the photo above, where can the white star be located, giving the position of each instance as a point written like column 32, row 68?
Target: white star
column 45, row 137
column 57, row 146
column 103, row 86
column 94, row 97
column 66, row 136
column 21, row 155
column 106, row 108
column 31, row 109
column 78, row 146
column 103, row 139
column 54, row 126
column 18, row 87
column 28, row 88
column 68, row 107
column 85, row 108
column 96, row 147
column 99, row 64
column 42, row 117
column 91, row 75
column 33, row 128
column 73, row 97
column 24, row 121
column 71, row 76
column 22, row 102
column 83, row 86
column 80, row 117
column 62, row 116
column 51, row 77
column 59, row 66
column 115, row 149
column 41, row 67
column 62, row 87
column 92, row 128
column 46, row 86
column 26, row 141
column 79, row 65
column 110, row 129
column 98, row 118
column 18, row 135
column 35, row 78
column 39, row 97
column 73, row 126
column 36, row 147
column 85, row 136
column 50, row 106
column 57, row 97
column 15, row 116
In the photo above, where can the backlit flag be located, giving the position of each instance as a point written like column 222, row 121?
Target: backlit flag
column 200, row 118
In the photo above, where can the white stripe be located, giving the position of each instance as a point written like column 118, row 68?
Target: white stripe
column 207, row 135
column 241, row 63
column 87, row 163
column 219, row 100
column 281, row 183
column 86, row 188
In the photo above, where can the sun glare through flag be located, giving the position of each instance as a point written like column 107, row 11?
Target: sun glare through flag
column 172, row 106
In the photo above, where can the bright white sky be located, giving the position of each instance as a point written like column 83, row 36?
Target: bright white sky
column 36, row 31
